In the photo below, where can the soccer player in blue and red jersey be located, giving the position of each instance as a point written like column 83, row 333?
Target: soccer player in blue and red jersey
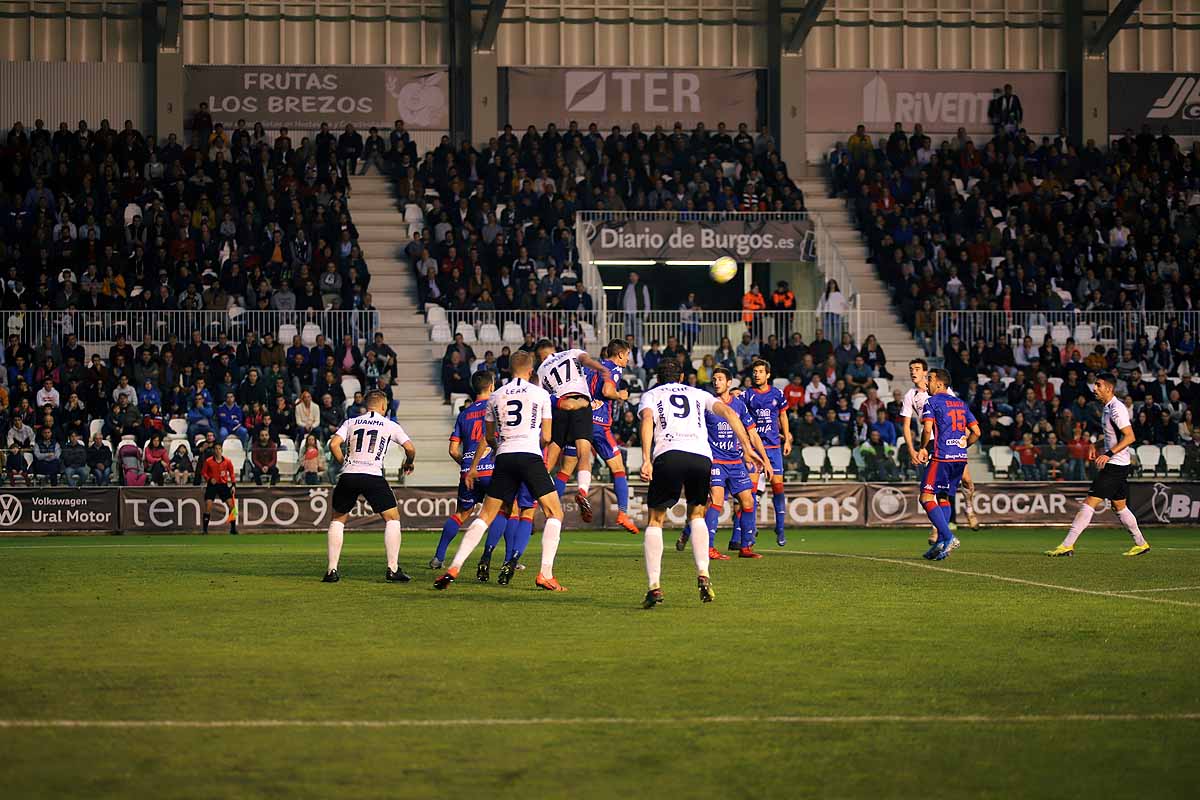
column 769, row 408
column 468, row 435
column 603, row 386
column 950, row 425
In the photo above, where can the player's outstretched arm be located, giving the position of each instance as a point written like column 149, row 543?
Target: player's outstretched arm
column 973, row 433
column 410, row 458
column 609, row 391
column 592, row 363
column 335, row 449
column 922, row 455
column 729, row 415
column 647, row 471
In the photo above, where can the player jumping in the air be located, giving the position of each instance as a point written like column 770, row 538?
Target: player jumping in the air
column 562, row 375
column 729, row 473
column 949, row 424
column 912, row 406
column 1112, row 480
column 672, row 420
column 518, row 426
column 219, row 481
column 464, row 441
column 769, row 408
column 603, row 386
column 366, row 439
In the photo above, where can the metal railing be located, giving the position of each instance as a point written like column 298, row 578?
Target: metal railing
column 692, row 216
column 96, row 330
column 1112, row 329
column 699, row 331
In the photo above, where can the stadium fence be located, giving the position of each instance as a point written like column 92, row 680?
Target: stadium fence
column 1112, row 329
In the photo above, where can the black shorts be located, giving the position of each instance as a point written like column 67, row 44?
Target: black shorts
column 513, row 470
column 1112, row 483
column 373, row 488
column 214, row 491
column 568, row 427
column 675, row 472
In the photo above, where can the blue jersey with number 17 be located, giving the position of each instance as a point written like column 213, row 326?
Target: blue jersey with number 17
column 951, row 418
column 471, row 428
column 764, row 404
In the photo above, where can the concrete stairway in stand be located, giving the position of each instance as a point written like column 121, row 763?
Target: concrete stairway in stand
column 382, row 234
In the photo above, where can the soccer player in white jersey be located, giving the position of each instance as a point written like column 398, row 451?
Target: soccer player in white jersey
column 672, row 419
column 366, row 439
column 1112, row 480
column 561, row 374
column 911, row 408
column 518, row 427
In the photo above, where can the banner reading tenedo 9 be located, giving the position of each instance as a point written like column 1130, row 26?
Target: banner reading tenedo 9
column 302, row 97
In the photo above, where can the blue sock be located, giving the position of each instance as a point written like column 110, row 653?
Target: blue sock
column 510, row 536
column 780, row 502
column 937, row 516
column 735, row 538
column 560, row 483
column 449, row 531
column 524, row 534
column 712, row 518
column 495, row 531
column 749, row 529
column 621, row 487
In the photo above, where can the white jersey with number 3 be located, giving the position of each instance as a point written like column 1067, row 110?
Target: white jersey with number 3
column 1115, row 417
column 517, row 408
column 561, row 374
column 365, row 441
column 679, row 423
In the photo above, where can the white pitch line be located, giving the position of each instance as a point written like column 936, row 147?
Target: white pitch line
column 1169, row 589
column 864, row 719
column 81, row 546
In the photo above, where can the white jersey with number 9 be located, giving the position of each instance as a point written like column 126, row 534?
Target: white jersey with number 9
column 517, row 410
column 365, row 441
column 678, row 413
column 561, row 374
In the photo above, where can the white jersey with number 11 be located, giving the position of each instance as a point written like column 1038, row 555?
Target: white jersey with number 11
column 365, row 441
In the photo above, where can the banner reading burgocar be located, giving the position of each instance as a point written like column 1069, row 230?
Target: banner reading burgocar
column 839, row 100
column 1005, row 503
column 302, row 97
column 702, row 241
column 1156, row 99
column 58, row 509
column 618, row 96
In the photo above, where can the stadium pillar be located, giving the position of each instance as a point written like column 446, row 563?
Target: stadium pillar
column 792, row 130
column 168, row 93
column 1087, row 71
column 485, row 109
column 458, row 13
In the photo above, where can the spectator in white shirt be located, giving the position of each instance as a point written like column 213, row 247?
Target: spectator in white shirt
column 123, row 388
column 47, row 394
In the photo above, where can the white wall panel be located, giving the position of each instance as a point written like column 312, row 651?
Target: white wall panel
column 112, row 91
column 579, row 38
column 123, row 39
column 262, row 42
column 14, row 32
column 887, row 41
column 228, row 45
column 333, row 41
column 921, row 41
column 299, row 35
column 613, row 38
column 648, row 45
column 85, row 38
column 49, row 36
column 370, row 35
column 987, row 43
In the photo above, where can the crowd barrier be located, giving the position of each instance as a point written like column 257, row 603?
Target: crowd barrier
column 296, row 508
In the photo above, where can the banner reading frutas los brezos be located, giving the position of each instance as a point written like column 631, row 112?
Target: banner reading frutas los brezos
column 839, row 100
column 302, row 97
column 762, row 240
column 649, row 97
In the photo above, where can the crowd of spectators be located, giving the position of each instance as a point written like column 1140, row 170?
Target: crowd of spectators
column 497, row 226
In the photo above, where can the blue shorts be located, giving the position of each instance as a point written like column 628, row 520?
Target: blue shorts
column 467, row 498
column 525, row 498
column 571, row 451
column 942, row 477
column 604, row 444
column 775, row 457
column 733, row 478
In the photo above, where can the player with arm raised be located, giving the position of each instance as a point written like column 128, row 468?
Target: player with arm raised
column 949, row 424
column 672, row 420
column 1112, row 480
column 361, row 446
column 467, row 437
column 769, row 408
column 910, row 413
column 518, row 426
column 562, row 375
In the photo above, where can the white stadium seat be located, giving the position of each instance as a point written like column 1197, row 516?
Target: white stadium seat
column 350, row 385
column 780, row 383
column 513, row 333
column 286, row 332
column 1148, row 456
column 489, row 334
column 434, row 314
column 884, row 387
column 441, row 334
column 839, row 460
column 1174, row 455
column 1001, row 457
column 309, row 334
column 467, row 330
column 814, row 458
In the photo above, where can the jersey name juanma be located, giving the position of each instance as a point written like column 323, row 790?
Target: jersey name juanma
column 366, row 439
column 721, row 438
column 678, row 413
column 562, row 374
column 517, row 410
column 469, row 429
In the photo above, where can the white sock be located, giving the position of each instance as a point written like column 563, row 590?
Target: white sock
column 391, row 543
column 550, row 536
column 700, row 545
column 653, row 545
column 1131, row 524
column 470, row 541
column 337, row 532
column 1082, row 520
column 584, row 479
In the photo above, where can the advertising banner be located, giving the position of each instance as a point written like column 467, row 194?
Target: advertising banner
column 58, row 509
column 619, row 96
column 302, row 97
column 1166, row 503
column 1008, row 503
column 707, row 241
column 1156, row 99
column 808, row 504
column 942, row 101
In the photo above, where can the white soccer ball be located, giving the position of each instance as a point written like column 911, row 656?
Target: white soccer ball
column 723, row 269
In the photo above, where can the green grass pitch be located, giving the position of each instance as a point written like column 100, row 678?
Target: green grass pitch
column 840, row 666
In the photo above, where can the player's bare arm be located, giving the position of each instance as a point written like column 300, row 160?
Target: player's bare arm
column 760, row 448
column 647, row 471
column 610, row 392
column 489, row 437
column 547, row 427
column 785, row 432
column 973, row 434
column 921, row 456
column 456, row 451
column 335, row 449
column 410, row 458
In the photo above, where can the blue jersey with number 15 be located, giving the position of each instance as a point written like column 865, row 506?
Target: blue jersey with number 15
column 951, row 419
